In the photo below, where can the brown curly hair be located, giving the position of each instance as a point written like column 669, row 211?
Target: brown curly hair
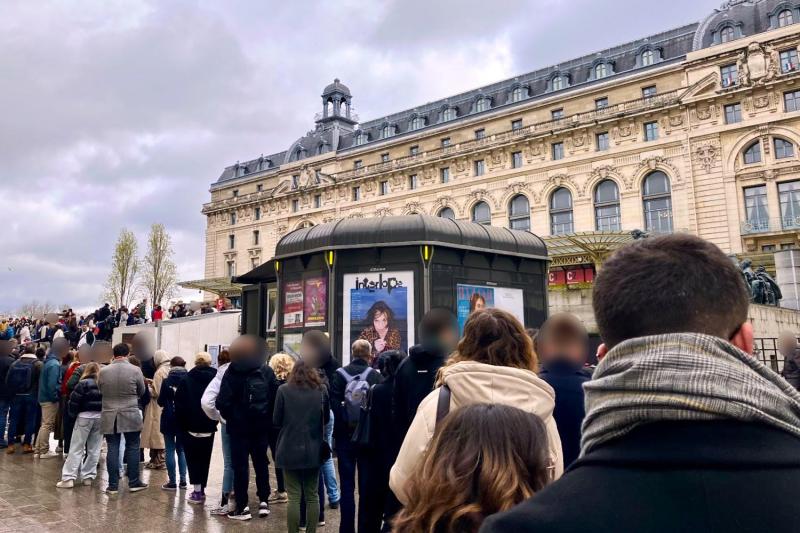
column 483, row 459
column 494, row 337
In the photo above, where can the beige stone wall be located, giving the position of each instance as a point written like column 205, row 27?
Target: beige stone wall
column 769, row 322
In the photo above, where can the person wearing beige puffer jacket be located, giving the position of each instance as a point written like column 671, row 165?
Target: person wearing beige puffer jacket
column 494, row 363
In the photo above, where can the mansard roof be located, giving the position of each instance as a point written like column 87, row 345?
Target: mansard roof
column 748, row 17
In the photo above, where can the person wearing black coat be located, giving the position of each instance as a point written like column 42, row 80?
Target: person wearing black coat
column 243, row 402
column 196, row 429
column 174, row 446
column 85, row 406
column 301, row 410
column 6, row 360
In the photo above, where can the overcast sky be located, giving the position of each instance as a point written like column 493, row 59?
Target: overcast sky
column 117, row 114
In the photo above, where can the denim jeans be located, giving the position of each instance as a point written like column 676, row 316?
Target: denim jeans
column 24, row 413
column 350, row 458
column 327, row 469
column 173, row 448
column 227, row 469
column 5, row 405
column 84, row 450
column 131, row 456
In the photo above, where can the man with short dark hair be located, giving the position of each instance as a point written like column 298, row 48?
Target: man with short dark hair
column 684, row 429
column 347, row 387
column 562, row 345
column 438, row 332
column 49, row 395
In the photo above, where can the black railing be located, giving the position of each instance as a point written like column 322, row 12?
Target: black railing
column 766, row 350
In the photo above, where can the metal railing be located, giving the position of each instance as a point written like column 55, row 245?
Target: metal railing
column 750, row 227
column 766, row 351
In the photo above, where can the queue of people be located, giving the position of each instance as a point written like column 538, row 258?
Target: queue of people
column 678, row 428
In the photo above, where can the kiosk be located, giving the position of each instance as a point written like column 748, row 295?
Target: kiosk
column 374, row 278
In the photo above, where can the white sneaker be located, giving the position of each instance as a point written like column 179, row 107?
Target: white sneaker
column 65, row 484
column 49, row 455
column 87, row 482
column 263, row 509
column 36, row 455
column 221, row 510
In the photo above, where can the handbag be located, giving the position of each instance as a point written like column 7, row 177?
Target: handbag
column 362, row 433
column 325, row 449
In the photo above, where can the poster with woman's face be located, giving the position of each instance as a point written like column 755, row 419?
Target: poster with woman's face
column 471, row 298
column 379, row 308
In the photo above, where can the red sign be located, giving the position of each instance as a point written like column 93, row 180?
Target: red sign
column 574, row 276
column 571, row 276
column 557, row 277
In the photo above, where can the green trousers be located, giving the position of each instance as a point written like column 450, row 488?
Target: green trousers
column 302, row 482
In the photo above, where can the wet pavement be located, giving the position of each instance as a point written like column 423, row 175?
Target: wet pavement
column 30, row 501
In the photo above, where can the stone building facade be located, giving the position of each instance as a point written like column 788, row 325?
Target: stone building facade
column 695, row 129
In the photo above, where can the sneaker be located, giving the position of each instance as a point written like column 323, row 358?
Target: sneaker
column 197, row 498
column 11, row 450
column 36, row 455
column 49, row 455
column 111, row 490
column 169, row 486
column 136, row 487
column 87, row 482
column 263, row 509
column 240, row 515
column 278, row 497
column 333, row 505
column 182, row 486
column 321, row 523
column 27, row 448
column 221, row 510
column 59, row 449
column 65, row 484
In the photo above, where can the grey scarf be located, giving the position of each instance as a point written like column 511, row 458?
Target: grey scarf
column 683, row 376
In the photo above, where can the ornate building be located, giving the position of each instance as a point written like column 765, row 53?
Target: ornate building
column 694, row 129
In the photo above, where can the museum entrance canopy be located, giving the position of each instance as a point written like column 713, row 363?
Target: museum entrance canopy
column 223, row 287
column 374, row 278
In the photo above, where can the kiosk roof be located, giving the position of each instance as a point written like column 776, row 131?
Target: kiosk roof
column 410, row 230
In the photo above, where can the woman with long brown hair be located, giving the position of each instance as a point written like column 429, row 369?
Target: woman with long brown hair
column 484, row 459
column 301, row 411
column 494, row 363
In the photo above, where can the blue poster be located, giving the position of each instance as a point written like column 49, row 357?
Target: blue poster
column 470, row 298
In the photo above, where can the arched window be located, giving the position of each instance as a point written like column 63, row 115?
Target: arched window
column 329, row 108
column 387, row 131
column 785, row 18
column 518, row 93
column 361, row 138
column 783, row 149
column 606, row 206
column 561, row 212
column 482, row 214
column 558, row 83
column 482, row 104
column 657, row 198
column 300, row 153
column 448, row 114
column 416, row 123
column 648, row 58
column 446, row 212
column 753, row 153
column 601, row 71
column 519, row 213
column 727, row 34
column 322, row 148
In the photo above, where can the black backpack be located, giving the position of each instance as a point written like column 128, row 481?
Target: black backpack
column 257, row 394
column 19, row 377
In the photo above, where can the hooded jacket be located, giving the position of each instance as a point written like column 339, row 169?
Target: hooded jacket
column 414, row 381
column 188, row 411
column 167, row 400
column 50, row 380
column 471, row 383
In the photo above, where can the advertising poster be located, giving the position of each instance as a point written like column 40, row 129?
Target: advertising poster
column 378, row 307
column 291, row 344
column 272, row 309
column 470, row 298
column 293, row 304
column 315, row 306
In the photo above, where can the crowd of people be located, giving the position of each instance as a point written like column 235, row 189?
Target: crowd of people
column 677, row 428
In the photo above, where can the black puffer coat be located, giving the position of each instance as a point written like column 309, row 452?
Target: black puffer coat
column 85, row 398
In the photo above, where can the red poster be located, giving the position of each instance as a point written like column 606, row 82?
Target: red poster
column 315, row 301
column 293, row 304
column 588, row 274
column 556, row 277
column 574, row 276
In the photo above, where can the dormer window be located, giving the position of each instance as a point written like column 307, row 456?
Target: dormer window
column 602, row 70
column 448, row 113
column 482, row 104
column 785, row 18
column 559, row 81
column 518, row 94
column 322, row 148
column 416, row 123
column 727, row 34
column 361, row 138
column 388, row 130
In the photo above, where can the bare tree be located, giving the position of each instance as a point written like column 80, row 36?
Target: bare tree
column 35, row 309
column 160, row 275
column 121, row 283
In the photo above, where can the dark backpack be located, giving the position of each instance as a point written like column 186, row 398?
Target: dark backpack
column 257, row 394
column 355, row 394
column 19, row 378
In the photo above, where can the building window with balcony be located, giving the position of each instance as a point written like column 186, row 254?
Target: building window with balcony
column 257, row 213
column 256, row 237
column 317, row 201
column 444, row 174
column 231, row 267
column 557, row 114
column 233, row 218
column 385, row 158
column 729, row 74
column 733, row 113
column 357, row 164
column 752, row 153
column 481, row 214
column 657, row 198
column 783, row 148
column 519, row 213
column 602, row 141
column 446, row 212
column 651, row 131
column 480, row 134
column 789, row 196
column 601, row 103
column 412, row 182
column 558, row 151
column 295, row 206
column 755, row 209
column 789, row 60
column 480, row 167
column 606, row 206
column 516, row 160
column 516, row 124
column 791, row 101
column 445, row 142
column 785, row 18
column 383, row 188
column 356, row 194
column 231, row 242
column 561, row 212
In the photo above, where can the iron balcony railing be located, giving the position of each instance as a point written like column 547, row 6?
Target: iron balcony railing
column 769, row 225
